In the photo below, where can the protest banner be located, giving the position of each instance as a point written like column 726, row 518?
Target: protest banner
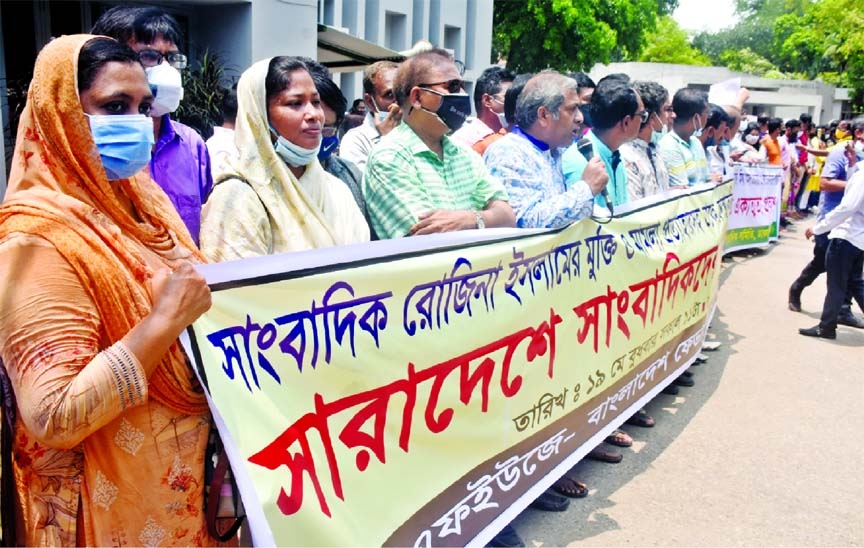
column 423, row 391
column 754, row 220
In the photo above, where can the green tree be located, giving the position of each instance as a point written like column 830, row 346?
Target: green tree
column 572, row 34
column 670, row 44
column 746, row 60
column 754, row 29
column 826, row 42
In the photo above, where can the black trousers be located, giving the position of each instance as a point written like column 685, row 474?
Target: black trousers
column 814, row 267
column 843, row 263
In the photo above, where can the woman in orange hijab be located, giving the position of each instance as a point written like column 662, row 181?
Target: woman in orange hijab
column 98, row 283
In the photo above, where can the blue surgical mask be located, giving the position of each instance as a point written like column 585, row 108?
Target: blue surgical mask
column 294, row 155
column 657, row 135
column 380, row 115
column 697, row 131
column 328, row 146
column 124, row 142
column 709, row 142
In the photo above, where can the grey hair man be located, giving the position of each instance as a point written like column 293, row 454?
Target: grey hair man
column 528, row 159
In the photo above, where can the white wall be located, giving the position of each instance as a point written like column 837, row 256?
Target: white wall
column 783, row 98
column 462, row 25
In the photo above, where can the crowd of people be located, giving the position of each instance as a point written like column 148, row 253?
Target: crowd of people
column 111, row 203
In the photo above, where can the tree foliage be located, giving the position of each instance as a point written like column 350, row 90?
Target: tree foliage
column 670, row 44
column 572, row 34
column 826, row 42
column 746, row 60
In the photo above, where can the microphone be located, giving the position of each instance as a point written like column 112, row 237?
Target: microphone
column 586, row 149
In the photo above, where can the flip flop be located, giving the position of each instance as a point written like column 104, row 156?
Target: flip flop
column 619, row 438
column 570, row 488
column 605, row 456
column 641, row 418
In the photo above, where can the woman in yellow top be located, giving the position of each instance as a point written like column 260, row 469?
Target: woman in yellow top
column 276, row 197
column 98, row 283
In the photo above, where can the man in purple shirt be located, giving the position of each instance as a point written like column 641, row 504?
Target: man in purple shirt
column 180, row 162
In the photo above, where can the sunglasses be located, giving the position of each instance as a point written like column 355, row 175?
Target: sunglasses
column 151, row 58
column 453, row 86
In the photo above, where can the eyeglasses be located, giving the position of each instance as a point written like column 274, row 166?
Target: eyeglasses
column 151, row 57
column 643, row 116
column 329, row 131
column 453, row 86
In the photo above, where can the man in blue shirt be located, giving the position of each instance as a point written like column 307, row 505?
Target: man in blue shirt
column 617, row 113
column 832, row 185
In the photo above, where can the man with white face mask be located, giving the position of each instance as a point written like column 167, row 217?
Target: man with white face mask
column 180, row 162
column 681, row 149
column 489, row 92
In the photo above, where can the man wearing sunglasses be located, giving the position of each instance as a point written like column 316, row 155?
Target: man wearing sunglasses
column 617, row 114
column 180, row 163
column 419, row 182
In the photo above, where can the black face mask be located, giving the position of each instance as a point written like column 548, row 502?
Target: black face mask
column 586, row 114
column 454, row 108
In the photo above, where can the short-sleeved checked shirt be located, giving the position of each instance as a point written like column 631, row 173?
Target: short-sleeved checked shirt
column 685, row 161
column 405, row 179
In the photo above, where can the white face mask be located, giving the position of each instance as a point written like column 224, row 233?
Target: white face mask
column 751, row 139
column 294, row 155
column 502, row 119
column 167, row 86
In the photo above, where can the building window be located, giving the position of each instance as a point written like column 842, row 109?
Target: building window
column 396, row 30
column 453, row 41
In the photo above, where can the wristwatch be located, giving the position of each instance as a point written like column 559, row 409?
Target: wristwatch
column 480, row 222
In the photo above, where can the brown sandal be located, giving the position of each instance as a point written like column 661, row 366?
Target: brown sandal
column 605, row 456
column 569, row 487
column 619, row 438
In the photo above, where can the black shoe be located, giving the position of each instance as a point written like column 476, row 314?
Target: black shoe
column 687, row 373
column 507, row 538
column 794, row 300
column 550, row 501
column 684, row 381
column 817, row 332
column 672, row 390
column 851, row 320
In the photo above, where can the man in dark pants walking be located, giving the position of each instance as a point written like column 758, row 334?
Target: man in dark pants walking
column 844, row 259
column 832, row 184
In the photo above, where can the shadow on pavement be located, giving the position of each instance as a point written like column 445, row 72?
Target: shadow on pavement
column 587, row 517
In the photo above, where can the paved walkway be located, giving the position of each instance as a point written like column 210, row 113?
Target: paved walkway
column 766, row 450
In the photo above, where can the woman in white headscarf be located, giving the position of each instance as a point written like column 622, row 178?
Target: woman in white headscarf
column 276, row 197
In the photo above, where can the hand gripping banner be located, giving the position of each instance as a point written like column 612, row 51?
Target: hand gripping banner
column 423, row 391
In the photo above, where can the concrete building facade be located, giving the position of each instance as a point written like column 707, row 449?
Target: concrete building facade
column 241, row 32
column 782, row 98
